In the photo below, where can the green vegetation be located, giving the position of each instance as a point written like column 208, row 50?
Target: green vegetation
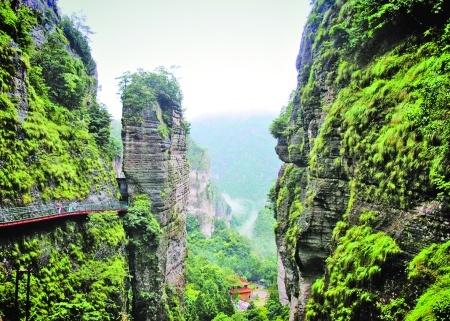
column 64, row 74
column 52, row 131
column 99, row 127
column 387, row 94
column 140, row 221
column 357, row 261
column 229, row 249
column 145, row 90
column 280, row 126
column 77, row 33
column 287, row 199
column 377, row 92
column 213, row 267
column 78, row 271
column 429, row 273
column 207, row 290
column 144, row 233
column 214, row 263
column 410, row 149
column 151, row 298
column 427, row 296
column 56, row 143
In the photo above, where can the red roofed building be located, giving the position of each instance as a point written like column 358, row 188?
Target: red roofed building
column 243, row 292
column 244, row 283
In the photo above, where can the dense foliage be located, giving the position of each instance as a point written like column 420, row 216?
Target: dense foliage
column 213, row 267
column 64, row 74
column 77, row 34
column 280, row 127
column 206, row 293
column 388, row 94
column 229, row 249
column 143, row 89
column 78, row 271
column 144, row 233
column 429, row 274
column 52, row 130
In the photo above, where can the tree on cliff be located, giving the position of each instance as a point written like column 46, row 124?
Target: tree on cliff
column 143, row 88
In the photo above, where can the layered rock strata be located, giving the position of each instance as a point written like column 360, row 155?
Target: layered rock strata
column 157, row 166
column 332, row 172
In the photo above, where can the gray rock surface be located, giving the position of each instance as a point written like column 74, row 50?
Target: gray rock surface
column 205, row 201
column 157, row 166
column 320, row 184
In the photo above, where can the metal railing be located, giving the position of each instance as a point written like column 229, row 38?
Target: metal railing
column 17, row 214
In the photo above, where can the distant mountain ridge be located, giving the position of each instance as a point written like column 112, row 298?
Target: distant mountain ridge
column 243, row 162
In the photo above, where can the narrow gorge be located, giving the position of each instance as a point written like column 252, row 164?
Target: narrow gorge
column 361, row 200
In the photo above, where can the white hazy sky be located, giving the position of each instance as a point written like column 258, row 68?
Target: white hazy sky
column 234, row 56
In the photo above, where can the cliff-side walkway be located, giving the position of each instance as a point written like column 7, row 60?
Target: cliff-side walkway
column 26, row 215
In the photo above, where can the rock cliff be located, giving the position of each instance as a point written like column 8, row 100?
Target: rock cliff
column 49, row 147
column 155, row 164
column 55, row 147
column 205, row 201
column 364, row 187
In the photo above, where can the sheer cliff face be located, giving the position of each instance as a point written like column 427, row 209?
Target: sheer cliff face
column 49, row 154
column 205, row 200
column 361, row 154
column 46, row 156
column 308, row 206
column 156, row 165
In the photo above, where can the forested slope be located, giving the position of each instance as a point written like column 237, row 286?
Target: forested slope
column 54, row 135
column 362, row 200
column 242, row 162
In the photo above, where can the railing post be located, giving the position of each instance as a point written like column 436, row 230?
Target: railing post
column 27, row 302
column 16, row 295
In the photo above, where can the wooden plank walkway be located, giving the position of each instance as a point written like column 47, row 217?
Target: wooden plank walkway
column 26, row 215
